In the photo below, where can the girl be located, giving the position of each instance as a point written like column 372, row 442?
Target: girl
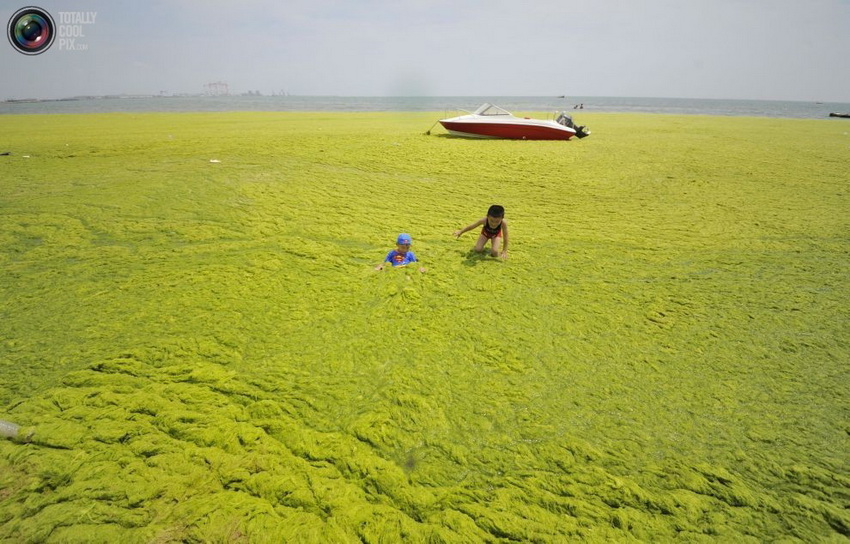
column 494, row 228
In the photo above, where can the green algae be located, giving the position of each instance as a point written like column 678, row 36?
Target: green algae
column 201, row 351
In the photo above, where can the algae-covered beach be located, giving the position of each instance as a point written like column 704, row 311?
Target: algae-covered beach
column 202, row 351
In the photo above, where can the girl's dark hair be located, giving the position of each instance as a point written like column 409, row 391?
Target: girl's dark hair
column 496, row 211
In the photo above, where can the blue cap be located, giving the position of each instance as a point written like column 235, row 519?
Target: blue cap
column 404, row 239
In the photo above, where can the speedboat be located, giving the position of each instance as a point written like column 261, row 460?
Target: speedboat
column 491, row 121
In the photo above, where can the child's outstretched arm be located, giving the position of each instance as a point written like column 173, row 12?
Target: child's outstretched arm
column 470, row 227
column 504, row 239
column 385, row 261
column 415, row 260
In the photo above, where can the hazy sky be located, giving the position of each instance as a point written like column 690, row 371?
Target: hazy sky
column 756, row 49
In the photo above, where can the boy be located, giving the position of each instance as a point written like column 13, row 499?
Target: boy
column 401, row 256
column 494, row 229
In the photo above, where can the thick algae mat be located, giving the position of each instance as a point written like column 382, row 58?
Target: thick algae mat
column 201, row 351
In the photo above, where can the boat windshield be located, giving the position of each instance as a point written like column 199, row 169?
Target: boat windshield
column 490, row 109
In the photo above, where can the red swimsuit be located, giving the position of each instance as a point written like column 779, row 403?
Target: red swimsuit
column 490, row 232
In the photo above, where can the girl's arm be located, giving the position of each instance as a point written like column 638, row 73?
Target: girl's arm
column 504, row 239
column 470, row 227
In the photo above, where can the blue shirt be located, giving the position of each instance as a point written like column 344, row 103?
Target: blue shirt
column 400, row 259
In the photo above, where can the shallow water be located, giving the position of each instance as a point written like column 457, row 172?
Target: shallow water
column 202, row 351
column 448, row 105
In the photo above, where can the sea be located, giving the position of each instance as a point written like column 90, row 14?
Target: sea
column 446, row 104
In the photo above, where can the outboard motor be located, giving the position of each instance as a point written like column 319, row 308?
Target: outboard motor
column 567, row 121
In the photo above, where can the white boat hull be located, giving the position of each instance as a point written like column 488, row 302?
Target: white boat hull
column 490, row 121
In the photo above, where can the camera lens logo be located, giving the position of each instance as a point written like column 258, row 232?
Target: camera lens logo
column 31, row 30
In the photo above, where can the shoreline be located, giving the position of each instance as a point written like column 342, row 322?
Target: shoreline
column 175, row 104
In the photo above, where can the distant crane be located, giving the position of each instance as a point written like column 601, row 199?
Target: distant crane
column 217, row 88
